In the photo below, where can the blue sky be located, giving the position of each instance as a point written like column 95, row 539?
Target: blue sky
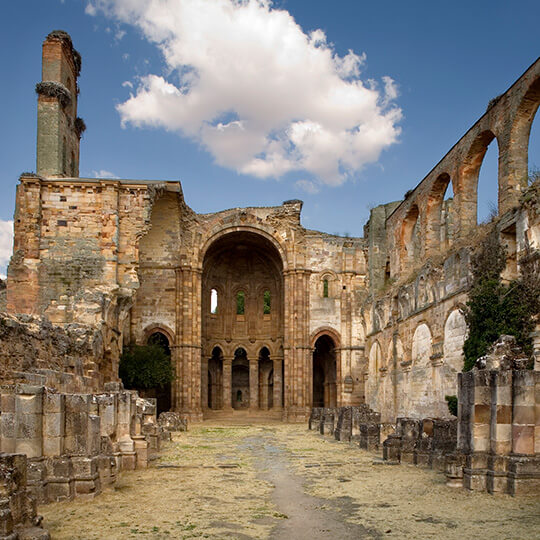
column 444, row 61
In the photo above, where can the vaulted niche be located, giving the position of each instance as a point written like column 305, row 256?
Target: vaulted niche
column 324, row 373
column 246, row 270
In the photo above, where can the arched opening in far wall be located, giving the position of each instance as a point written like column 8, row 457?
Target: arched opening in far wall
column 161, row 393
column 215, row 379
column 242, row 304
column 324, row 372
column 240, row 380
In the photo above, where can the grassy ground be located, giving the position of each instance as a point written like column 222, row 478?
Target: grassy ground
column 208, row 483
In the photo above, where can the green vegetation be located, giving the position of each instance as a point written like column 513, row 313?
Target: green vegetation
column 495, row 308
column 266, row 303
column 240, row 303
column 452, row 404
column 145, row 366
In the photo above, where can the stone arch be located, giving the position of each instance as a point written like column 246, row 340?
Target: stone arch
column 519, row 139
column 265, row 378
column 439, row 227
column 157, row 335
column 325, row 330
column 375, row 359
column 455, row 334
column 324, row 371
column 469, row 172
column 215, row 378
column 244, row 260
column 421, row 345
column 410, row 242
column 218, row 234
column 159, row 327
column 328, row 289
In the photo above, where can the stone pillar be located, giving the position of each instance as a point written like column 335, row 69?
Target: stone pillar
column 29, row 420
column 126, row 445
column 227, row 383
column 77, row 411
column 7, row 422
column 254, row 384
column 523, row 412
column 278, row 378
column 188, row 317
column 53, row 424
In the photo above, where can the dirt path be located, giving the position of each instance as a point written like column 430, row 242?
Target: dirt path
column 280, row 481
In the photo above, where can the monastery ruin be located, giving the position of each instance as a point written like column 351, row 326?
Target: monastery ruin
column 262, row 317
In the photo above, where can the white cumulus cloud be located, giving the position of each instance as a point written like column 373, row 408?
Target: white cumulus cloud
column 102, row 173
column 308, row 186
column 6, row 245
column 262, row 96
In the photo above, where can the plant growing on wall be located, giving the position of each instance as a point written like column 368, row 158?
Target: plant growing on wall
column 495, row 308
column 145, row 366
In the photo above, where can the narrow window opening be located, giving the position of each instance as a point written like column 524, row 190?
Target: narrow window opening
column 240, row 303
column 325, row 288
column 266, row 302
column 213, row 301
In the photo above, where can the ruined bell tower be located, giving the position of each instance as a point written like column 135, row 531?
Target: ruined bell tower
column 59, row 129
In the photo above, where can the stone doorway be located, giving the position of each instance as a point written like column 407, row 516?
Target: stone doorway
column 215, row 380
column 324, row 373
column 240, row 380
column 266, row 380
column 161, row 393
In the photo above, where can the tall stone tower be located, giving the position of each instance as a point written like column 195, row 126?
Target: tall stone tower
column 59, row 129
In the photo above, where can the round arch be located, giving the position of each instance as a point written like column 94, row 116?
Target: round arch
column 326, row 330
column 162, row 328
column 215, row 236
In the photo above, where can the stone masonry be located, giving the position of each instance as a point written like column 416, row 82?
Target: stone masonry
column 261, row 314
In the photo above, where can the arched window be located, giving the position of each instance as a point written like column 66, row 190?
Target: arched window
column 213, row 301
column 325, row 288
column 240, row 303
column 266, row 302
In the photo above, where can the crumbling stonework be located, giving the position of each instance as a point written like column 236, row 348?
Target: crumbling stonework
column 18, row 514
column 260, row 313
column 75, row 444
column 34, row 351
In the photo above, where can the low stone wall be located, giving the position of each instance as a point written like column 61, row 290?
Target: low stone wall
column 18, row 509
column 358, row 424
column 424, row 442
column 33, row 351
column 76, row 443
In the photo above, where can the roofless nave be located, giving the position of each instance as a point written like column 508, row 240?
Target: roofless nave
column 258, row 312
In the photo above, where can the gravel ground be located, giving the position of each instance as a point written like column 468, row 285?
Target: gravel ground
column 281, row 481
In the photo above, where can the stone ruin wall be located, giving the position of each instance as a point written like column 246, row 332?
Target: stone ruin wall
column 494, row 443
column 419, row 252
column 126, row 257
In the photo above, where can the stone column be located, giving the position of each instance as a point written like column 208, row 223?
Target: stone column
column 254, row 384
column 29, row 421
column 53, row 424
column 523, row 421
column 8, row 422
column 278, row 378
column 227, row 383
